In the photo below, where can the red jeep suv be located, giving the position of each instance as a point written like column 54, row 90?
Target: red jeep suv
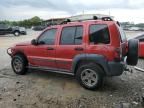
column 88, row 49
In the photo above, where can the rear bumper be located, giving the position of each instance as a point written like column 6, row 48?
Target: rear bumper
column 116, row 68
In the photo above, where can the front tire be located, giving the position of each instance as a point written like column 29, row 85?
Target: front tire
column 90, row 76
column 19, row 64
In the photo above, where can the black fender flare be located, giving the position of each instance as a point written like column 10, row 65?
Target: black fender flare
column 21, row 52
column 95, row 58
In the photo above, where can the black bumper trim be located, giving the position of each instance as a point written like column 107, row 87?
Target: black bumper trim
column 115, row 68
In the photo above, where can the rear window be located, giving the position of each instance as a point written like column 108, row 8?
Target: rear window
column 140, row 38
column 122, row 34
column 99, row 34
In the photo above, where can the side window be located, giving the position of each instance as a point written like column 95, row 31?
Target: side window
column 48, row 37
column 71, row 35
column 3, row 26
column 67, row 36
column 99, row 34
column 79, row 35
column 141, row 40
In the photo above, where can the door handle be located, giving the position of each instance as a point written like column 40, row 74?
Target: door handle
column 79, row 49
column 50, row 48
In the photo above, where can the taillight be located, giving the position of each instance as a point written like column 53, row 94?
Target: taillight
column 118, row 54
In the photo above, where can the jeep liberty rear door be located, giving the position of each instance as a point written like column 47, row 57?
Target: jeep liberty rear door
column 71, row 43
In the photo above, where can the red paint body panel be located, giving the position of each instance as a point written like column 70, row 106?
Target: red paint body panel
column 141, row 49
column 40, row 56
column 66, row 53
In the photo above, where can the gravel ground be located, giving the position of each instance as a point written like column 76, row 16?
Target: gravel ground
column 49, row 90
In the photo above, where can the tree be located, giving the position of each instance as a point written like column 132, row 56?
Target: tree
column 25, row 23
column 35, row 21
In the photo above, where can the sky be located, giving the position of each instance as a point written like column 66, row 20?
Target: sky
column 122, row 10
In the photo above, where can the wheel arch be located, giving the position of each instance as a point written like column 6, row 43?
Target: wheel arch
column 22, row 54
column 90, row 58
column 15, row 32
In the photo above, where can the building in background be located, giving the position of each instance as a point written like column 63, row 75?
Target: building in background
column 53, row 21
column 87, row 17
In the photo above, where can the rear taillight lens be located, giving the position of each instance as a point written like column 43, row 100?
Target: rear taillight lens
column 118, row 54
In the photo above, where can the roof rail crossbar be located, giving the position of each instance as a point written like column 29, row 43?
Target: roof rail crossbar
column 94, row 18
column 107, row 19
column 103, row 18
column 65, row 21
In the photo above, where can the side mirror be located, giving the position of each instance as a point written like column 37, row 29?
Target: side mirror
column 34, row 42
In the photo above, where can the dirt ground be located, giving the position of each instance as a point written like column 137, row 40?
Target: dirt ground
column 39, row 89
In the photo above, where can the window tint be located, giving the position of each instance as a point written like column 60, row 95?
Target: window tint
column 3, row 26
column 78, row 36
column 67, row 36
column 99, row 34
column 123, row 35
column 141, row 40
column 71, row 35
column 48, row 37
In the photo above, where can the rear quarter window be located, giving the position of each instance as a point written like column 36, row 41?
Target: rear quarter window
column 99, row 34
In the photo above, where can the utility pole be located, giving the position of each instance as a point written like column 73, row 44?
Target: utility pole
column 109, row 12
column 83, row 12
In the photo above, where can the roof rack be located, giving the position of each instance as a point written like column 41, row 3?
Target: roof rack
column 66, row 21
column 94, row 18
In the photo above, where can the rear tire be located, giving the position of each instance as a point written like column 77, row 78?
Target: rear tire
column 19, row 64
column 90, row 76
column 132, row 55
